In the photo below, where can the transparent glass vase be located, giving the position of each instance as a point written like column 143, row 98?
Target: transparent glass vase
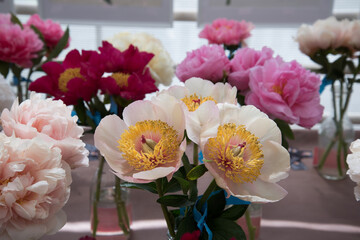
column 255, row 213
column 113, row 214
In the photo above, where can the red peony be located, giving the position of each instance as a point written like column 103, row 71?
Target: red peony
column 191, row 236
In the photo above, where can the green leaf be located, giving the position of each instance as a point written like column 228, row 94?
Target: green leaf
column 235, row 212
column 216, row 204
column 225, row 229
column 193, row 191
column 196, row 172
column 175, row 200
column 187, row 225
column 186, row 163
column 285, row 128
column 37, row 31
column 16, row 20
column 337, row 68
column 151, row 187
column 172, row 186
column 59, row 46
column 80, row 111
column 4, row 68
column 185, row 185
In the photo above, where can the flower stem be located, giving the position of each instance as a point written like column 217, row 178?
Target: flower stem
column 164, row 209
column 251, row 228
column 27, row 83
column 206, row 194
column 97, row 195
column 123, row 219
column 196, row 155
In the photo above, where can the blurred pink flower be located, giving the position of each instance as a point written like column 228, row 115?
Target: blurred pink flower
column 208, row 62
column 51, row 31
column 34, row 186
column 287, row 91
column 228, row 32
column 17, row 45
column 195, row 235
column 52, row 121
column 244, row 60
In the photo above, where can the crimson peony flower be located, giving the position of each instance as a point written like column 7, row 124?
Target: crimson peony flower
column 130, row 78
column 71, row 80
column 191, row 236
column 51, row 31
column 18, row 45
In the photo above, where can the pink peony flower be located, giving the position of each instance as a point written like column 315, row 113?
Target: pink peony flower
column 34, row 186
column 73, row 79
column 286, row 91
column 244, row 60
column 130, row 77
column 148, row 144
column 195, row 235
column 208, row 62
column 227, row 32
column 51, row 31
column 51, row 121
column 18, row 46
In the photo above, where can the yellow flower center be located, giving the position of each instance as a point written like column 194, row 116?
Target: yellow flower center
column 149, row 144
column 193, row 101
column 121, row 79
column 237, row 152
column 277, row 89
column 66, row 76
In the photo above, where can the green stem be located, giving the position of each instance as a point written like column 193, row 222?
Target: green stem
column 251, row 228
column 325, row 155
column 97, row 195
column 164, row 209
column 196, row 155
column 206, row 194
column 27, row 83
column 123, row 220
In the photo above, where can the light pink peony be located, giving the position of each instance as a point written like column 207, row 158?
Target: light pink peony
column 353, row 161
column 208, row 62
column 17, row 45
column 244, row 60
column 287, row 91
column 34, row 186
column 52, row 121
column 51, row 31
column 228, row 32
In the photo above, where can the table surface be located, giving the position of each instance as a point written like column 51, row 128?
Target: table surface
column 314, row 208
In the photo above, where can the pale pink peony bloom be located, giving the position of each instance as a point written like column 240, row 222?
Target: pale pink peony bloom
column 51, row 31
column 353, row 160
column 228, row 32
column 244, row 154
column 148, row 143
column 287, row 91
column 18, row 45
column 200, row 96
column 52, row 121
column 207, row 62
column 34, row 186
column 244, row 60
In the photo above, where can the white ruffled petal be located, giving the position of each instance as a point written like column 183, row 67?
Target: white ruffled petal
column 155, row 173
column 265, row 129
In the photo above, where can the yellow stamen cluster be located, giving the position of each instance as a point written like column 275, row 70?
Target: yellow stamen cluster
column 242, row 162
column 66, row 76
column 121, row 78
column 142, row 151
column 277, row 89
column 193, row 101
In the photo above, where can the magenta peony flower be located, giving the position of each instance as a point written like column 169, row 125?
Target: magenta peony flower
column 51, row 31
column 227, row 32
column 72, row 79
column 34, row 186
column 50, row 120
column 130, row 77
column 17, row 45
column 195, row 235
column 244, row 60
column 208, row 62
column 286, row 91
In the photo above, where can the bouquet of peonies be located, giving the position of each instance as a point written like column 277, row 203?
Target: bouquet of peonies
column 39, row 146
column 28, row 46
column 241, row 149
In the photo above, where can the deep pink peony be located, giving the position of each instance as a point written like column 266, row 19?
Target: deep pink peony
column 130, row 77
column 50, row 120
column 208, row 62
column 244, row 60
column 73, row 79
column 17, row 45
column 51, row 31
column 195, row 235
column 228, row 32
column 34, row 186
column 287, row 91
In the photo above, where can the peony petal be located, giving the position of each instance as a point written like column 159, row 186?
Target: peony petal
column 265, row 129
column 143, row 110
column 40, row 187
column 155, row 173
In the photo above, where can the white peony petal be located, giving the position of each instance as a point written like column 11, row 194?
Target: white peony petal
column 353, row 161
column 265, row 129
column 26, row 209
column 143, row 110
column 276, row 162
column 357, row 192
column 155, row 173
column 244, row 115
column 355, row 146
column 40, row 187
column 199, row 86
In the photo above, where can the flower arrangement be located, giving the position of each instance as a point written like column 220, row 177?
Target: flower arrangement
column 28, row 46
column 40, row 145
column 146, row 148
column 353, row 161
column 334, row 45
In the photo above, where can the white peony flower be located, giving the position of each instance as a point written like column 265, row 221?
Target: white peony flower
column 353, row 161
